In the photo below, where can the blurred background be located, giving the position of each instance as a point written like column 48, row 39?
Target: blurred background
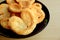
column 52, row 30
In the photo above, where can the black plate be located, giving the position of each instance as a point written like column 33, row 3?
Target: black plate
column 39, row 27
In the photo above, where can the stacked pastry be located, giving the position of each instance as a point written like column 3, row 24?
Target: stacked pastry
column 21, row 16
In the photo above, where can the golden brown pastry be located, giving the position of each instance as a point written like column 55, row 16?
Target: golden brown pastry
column 17, row 24
column 29, row 30
column 37, row 5
column 26, row 17
column 10, row 1
column 41, row 18
column 25, row 3
column 39, row 12
column 4, row 11
column 4, row 15
column 19, row 27
column 4, row 23
column 15, row 7
column 37, row 8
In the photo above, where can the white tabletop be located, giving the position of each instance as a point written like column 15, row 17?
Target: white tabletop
column 52, row 30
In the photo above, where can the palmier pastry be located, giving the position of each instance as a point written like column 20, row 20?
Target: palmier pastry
column 17, row 25
column 4, row 11
column 25, row 3
column 14, row 7
column 4, row 23
column 26, row 16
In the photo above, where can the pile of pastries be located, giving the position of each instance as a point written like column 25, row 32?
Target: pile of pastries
column 21, row 16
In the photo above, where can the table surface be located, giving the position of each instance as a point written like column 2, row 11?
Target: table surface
column 52, row 30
